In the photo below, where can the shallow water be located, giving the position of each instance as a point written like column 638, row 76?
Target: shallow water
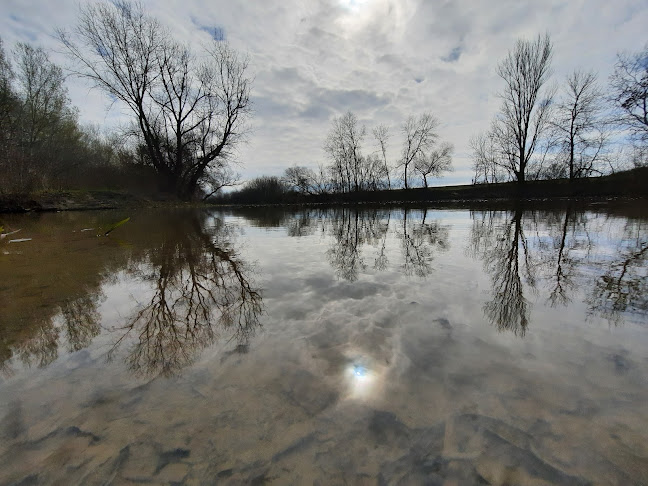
column 326, row 346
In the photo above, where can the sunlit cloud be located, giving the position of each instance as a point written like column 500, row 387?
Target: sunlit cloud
column 383, row 59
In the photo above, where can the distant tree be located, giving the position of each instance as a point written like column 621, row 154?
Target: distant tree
column 420, row 135
column 7, row 95
column 639, row 156
column 381, row 134
column 299, row 179
column 579, row 126
column 8, row 109
column 525, row 109
column 321, row 182
column 45, row 99
column 264, row 189
column 375, row 174
column 485, row 159
column 434, row 163
column 343, row 146
column 190, row 110
column 629, row 92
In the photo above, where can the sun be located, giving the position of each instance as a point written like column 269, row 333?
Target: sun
column 353, row 5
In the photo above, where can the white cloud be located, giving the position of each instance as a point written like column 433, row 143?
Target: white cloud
column 383, row 59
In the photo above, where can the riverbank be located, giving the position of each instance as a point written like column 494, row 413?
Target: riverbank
column 633, row 183
column 627, row 184
column 82, row 200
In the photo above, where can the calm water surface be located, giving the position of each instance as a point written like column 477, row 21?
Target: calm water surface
column 337, row 346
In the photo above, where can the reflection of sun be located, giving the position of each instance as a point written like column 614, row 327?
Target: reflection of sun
column 363, row 379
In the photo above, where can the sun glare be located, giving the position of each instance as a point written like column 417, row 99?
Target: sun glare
column 353, row 5
column 364, row 378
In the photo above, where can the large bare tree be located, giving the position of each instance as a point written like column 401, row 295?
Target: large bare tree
column 629, row 85
column 524, row 114
column 579, row 125
column 420, row 135
column 190, row 110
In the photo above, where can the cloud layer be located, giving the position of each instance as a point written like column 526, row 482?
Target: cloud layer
column 382, row 59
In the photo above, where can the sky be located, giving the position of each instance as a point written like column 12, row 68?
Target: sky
column 384, row 60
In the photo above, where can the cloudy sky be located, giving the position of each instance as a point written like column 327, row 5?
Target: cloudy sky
column 382, row 59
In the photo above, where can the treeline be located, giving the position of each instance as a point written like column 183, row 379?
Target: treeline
column 541, row 132
column 188, row 110
column 43, row 146
column 545, row 131
column 352, row 169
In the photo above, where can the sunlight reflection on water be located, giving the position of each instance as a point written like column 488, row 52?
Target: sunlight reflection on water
column 364, row 379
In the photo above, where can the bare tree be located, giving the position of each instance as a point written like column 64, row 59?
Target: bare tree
column 41, row 84
column 190, row 110
column 344, row 147
column 629, row 84
column 8, row 106
column 299, row 179
column 435, row 163
column 217, row 179
column 579, row 125
column 524, row 113
column 375, row 174
column 420, row 135
column 47, row 122
column 485, row 163
column 381, row 134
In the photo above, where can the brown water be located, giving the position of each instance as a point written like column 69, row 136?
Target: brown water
column 340, row 346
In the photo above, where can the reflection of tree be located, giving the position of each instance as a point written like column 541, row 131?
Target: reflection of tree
column 199, row 289
column 419, row 239
column 351, row 229
column 623, row 288
column 567, row 255
column 570, row 246
column 381, row 261
column 77, row 323
column 504, row 248
column 81, row 320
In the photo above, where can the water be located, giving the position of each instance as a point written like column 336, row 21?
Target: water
column 326, row 346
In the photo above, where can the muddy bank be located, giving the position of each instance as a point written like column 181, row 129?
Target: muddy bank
column 79, row 201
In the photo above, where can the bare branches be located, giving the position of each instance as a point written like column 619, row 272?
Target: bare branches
column 190, row 114
column 420, row 135
column 485, row 161
column 579, row 126
column 434, row 163
column 381, row 134
column 525, row 109
column 629, row 85
column 344, row 147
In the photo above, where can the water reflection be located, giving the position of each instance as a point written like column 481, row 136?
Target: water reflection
column 201, row 288
column 195, row 288
column 557, row 254
column 354, row 229
column 530, row 253
column 623, row 287
column 500, row 241
column 376, row 364
column 419, row 241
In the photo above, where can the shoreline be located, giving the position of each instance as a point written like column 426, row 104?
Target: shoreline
column 627, row 185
